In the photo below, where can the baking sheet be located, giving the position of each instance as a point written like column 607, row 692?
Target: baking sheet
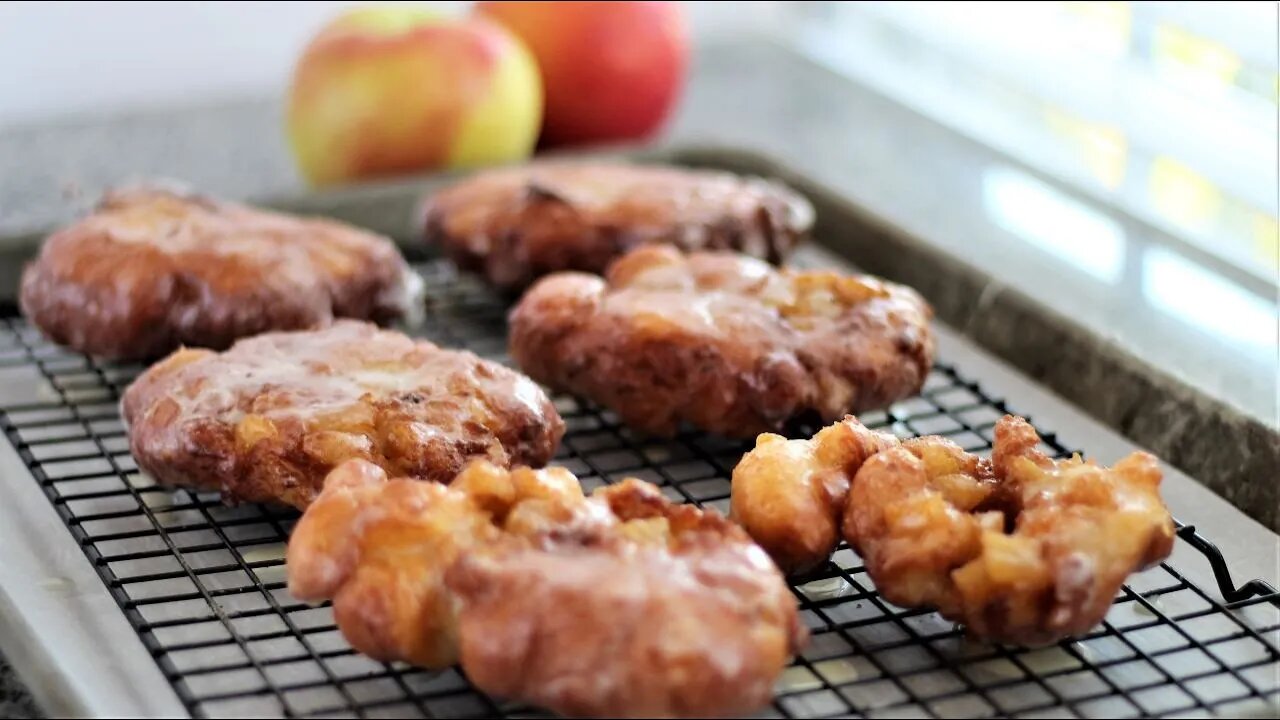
column 152, row 660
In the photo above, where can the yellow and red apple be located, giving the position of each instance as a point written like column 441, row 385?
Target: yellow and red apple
column 391, row 91
column 612, row 71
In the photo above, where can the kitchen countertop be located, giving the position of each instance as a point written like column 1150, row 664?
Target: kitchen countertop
column 913, row 172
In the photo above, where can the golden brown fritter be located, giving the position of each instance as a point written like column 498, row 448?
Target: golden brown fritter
column 152, row 269
column 268, row 419
column 722, row 341
column 619, row 605
column 514, row 225
column 790, row 495
column 661, row 610
column 380, row 548
column 915, row 513
column 1021, row 549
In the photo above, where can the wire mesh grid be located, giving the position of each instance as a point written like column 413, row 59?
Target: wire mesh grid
column 204, row 584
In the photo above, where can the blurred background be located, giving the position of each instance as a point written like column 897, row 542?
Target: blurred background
column 1117, row 150
column 1168, row 108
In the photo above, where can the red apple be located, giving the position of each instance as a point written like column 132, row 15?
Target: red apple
column 611, row 70
column 392, row 90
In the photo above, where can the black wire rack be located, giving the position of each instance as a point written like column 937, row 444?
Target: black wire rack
column 204, row 585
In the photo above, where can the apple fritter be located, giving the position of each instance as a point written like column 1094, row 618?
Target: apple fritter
column 662, row 610
column 790, row 495
column 1079, row 530
column 917, row 512
column 266, row 420
column 514, row 225
column 618, row 605
column 380, row 548
column 154, row 269
column 722, row 341
column 1020, row 548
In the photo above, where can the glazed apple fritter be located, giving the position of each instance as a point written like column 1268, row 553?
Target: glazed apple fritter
column 722, row 341
column 790, row 495
column 380, row 549
column 514, row 225
column 154, row 269
column 1020, row 548
column 266, row 420
column 618, row 605
column 1023, row 550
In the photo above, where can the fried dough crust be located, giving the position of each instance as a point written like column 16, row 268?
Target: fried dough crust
column 622, row 604
column 722, row 341
column 266, row 420
column 514, row 225
column 153, row 269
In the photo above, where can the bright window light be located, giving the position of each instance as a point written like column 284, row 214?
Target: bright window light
column 1051, row 220
column 1209, row 301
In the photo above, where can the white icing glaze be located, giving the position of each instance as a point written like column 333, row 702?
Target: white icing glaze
column 305, row 375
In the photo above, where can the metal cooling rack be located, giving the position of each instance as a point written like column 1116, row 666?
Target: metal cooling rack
column 203, row 585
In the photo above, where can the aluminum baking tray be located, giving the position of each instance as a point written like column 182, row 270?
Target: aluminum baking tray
column 119, row 597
